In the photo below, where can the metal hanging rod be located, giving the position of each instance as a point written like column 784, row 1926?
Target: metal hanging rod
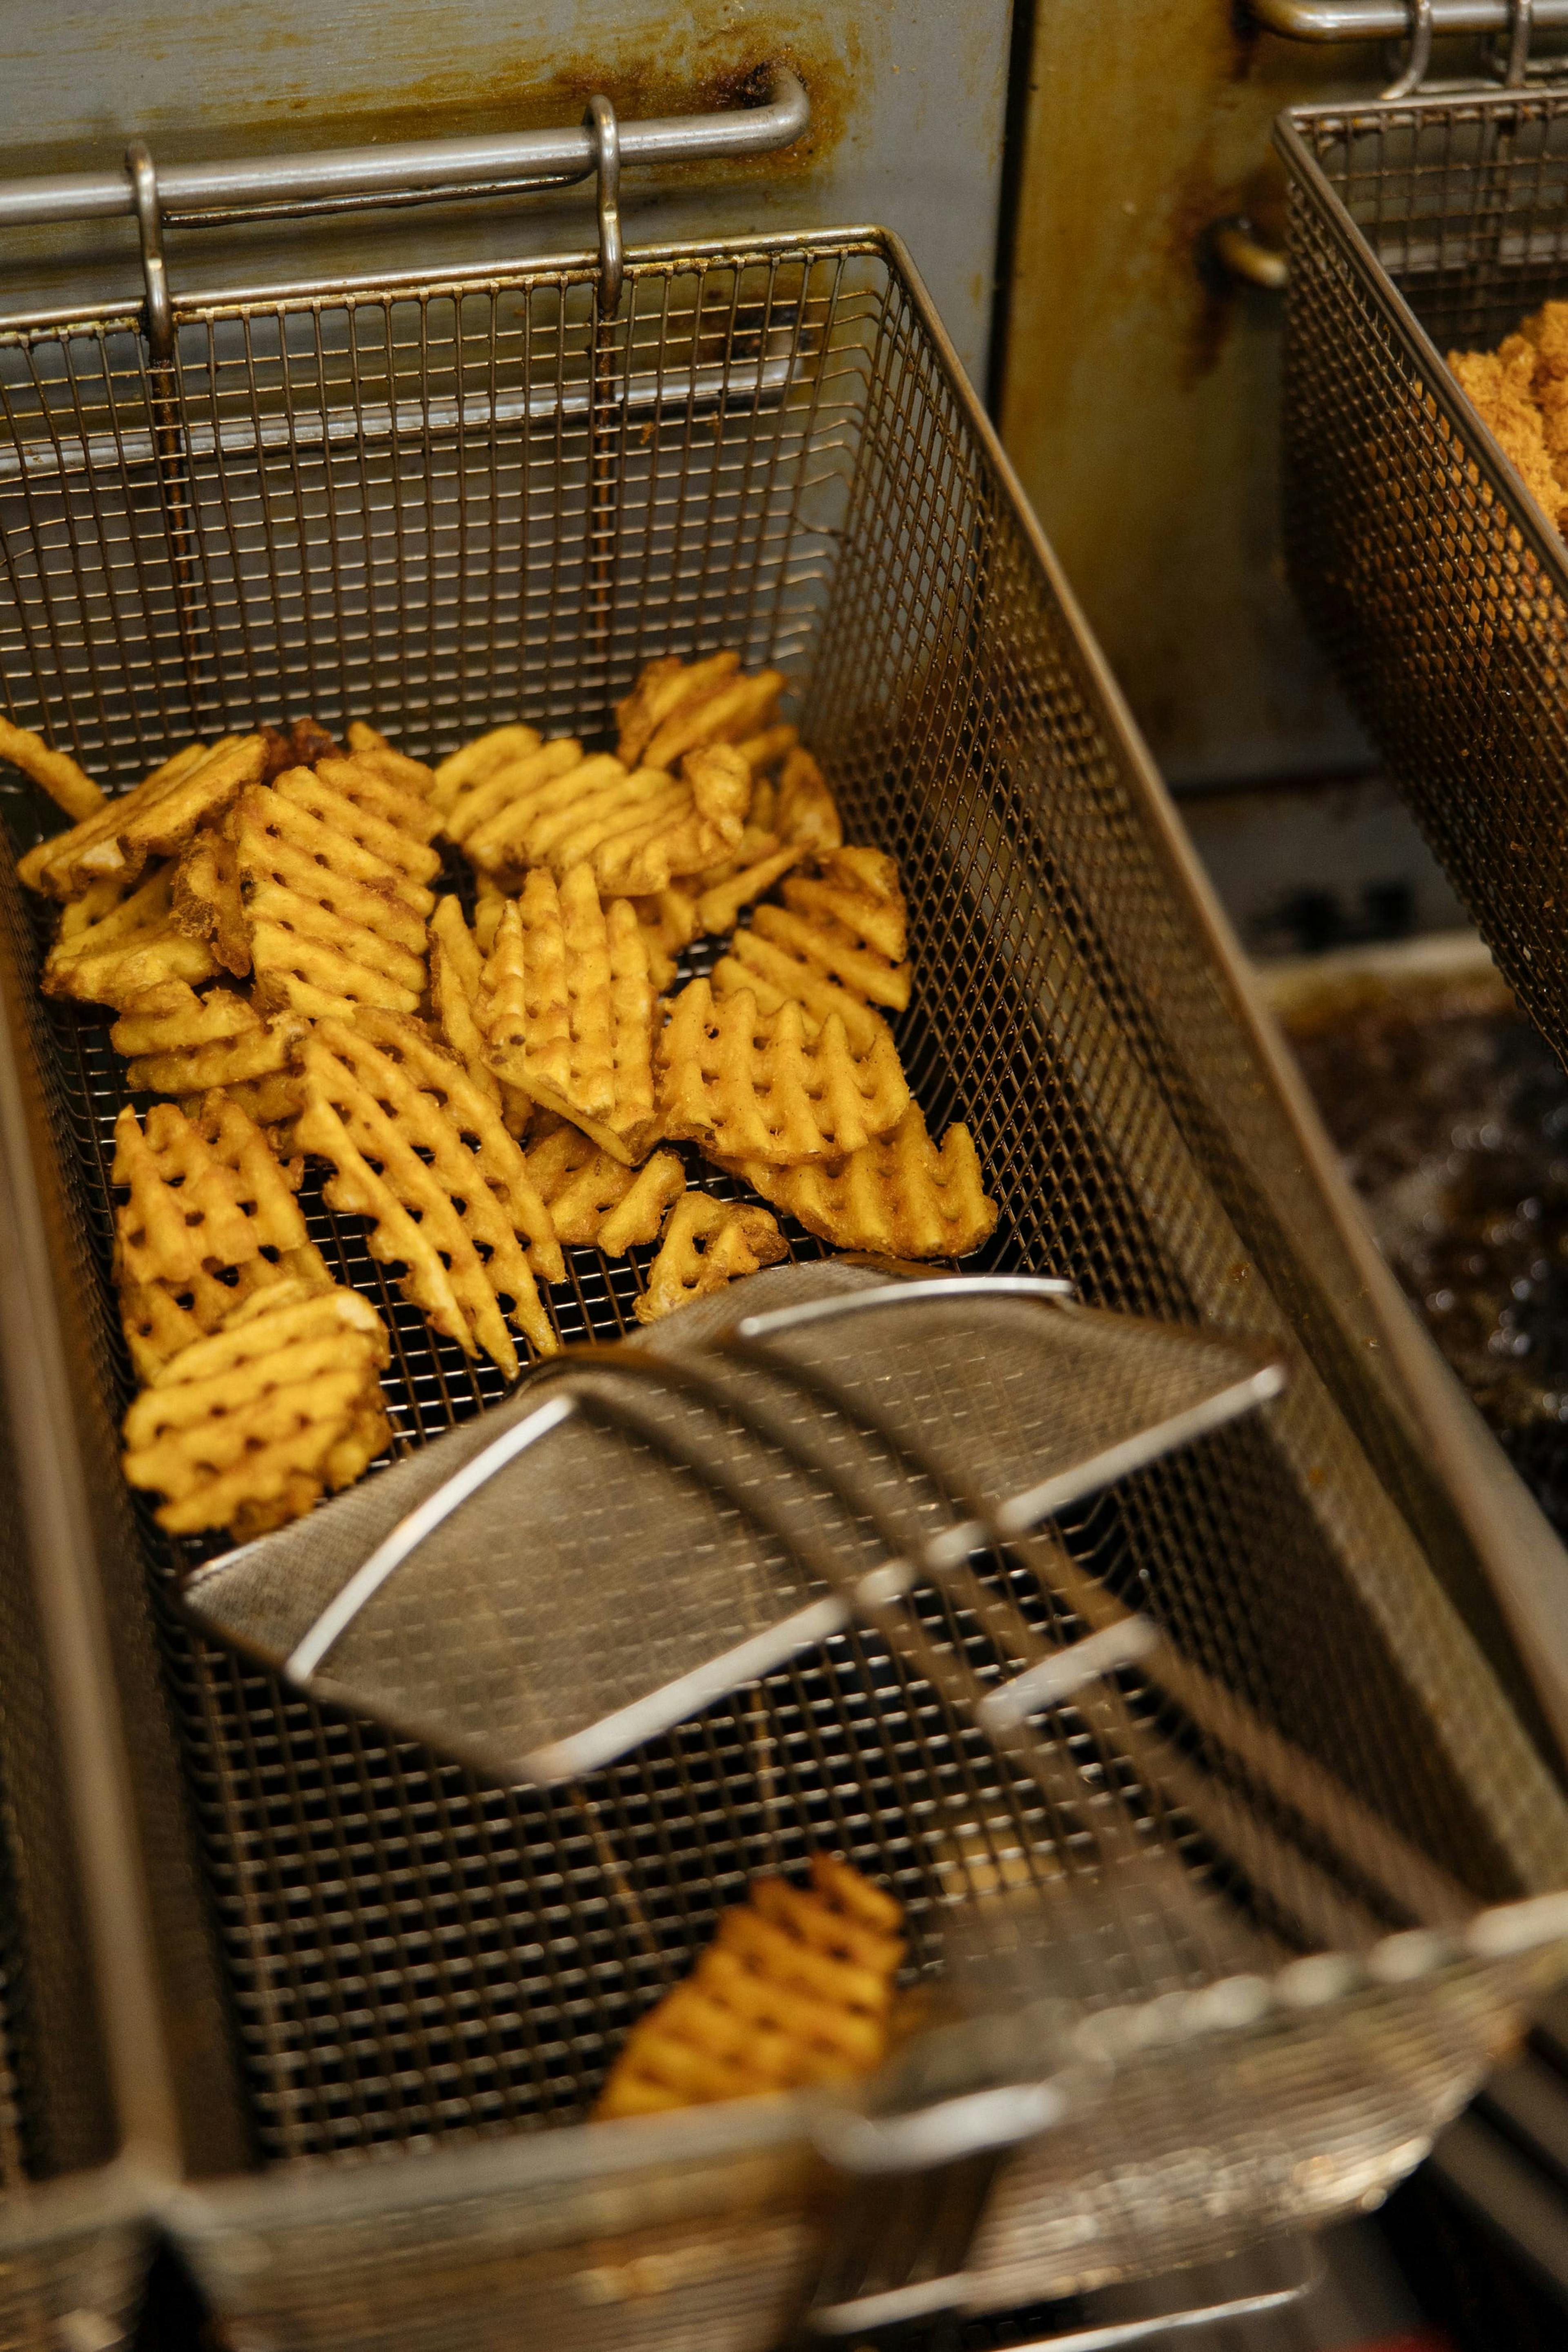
column 1370, row 20
column 413, row 171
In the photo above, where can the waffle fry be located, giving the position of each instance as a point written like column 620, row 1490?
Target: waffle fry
column 565, row 1006
column 117, row 939
column 843, row 922
column 456, row 966
column 304, row 743
column 797, row 1988
column 659, row 692
column 69, row 786
column 419, row 1151
column 669, row 922
column 490, row 902
column 489, row 812
column 388, row 824
column 206, row 902
column 635, row 831
column 476, row 760
column 248, row 1428
column 776, row 977
column 155, row 819
column 210, row 1221
column 727, row 1071
column 803, row 808
column 333, row 925
column 707, row 1245
column 595, row 1198
column 900, row 1195
column 370, row 746
column 674, row 709
column 183, row 1044
column 763, row 752
column 719, row 908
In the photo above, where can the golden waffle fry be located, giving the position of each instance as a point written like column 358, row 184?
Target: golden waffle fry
column 843, row 922
column 305, row 742
column 635, row 831
column 462, row 770
column 797, row 1988
column 206, row 902
column 565, row 1007
column 156, row 819
column 727, row 1071
column 763, row 752
column 732, row 710
column 595, row 1198
column 669, row 923
column 708, row 1243
column 381, row 819
column 488, row 815
column 211, row 1219
column 331, row 923
column 775, row 977
column 489, row 901
column 456, row 967
column 719, row 907
column 393, row 767
column 899, row 1195
column 803, row 808
column 248, row 1428
column 661, row 691
column 69, row 786
column 116, row 940
column 419, row 1151
column 180, row 1043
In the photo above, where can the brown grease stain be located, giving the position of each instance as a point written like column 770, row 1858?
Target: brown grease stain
column 1198, row 201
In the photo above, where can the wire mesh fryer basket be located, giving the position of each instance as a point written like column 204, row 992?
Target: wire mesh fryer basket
column 1437, row 586
column 381, row 504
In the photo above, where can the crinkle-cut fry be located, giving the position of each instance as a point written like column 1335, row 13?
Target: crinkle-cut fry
column 776, row 977
column 565, row 1007
column 245, row 1429
column 206, row 902
column 779, row 2000
column 390, row 825
column 727, row 1070
column 803, row 808
column 735, row 708
column 898, row 1196
column 154, row 819
column 455, row 969
column 707, row 1245
column 489, row 814
column 763, row 752
column 394, row 767
column 661, row 691
column 376, row 1105
column 463, row 769
column 211, row 1218
column 594, row 1199
column 68, row 785
column 719, row 909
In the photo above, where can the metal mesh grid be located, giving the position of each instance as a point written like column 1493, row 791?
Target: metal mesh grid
column 365, row 495
column 1437, row 586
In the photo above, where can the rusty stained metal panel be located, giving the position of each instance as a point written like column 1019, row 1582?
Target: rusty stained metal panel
column 1141, row 394
column 908, row 110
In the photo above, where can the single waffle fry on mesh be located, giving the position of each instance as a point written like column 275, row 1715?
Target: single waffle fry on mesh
column 727, row 1070
column 211, row 1219
column 803, row 808
column 154, row 819
column 331, row 925
column 565, row 1007
column 763, row 752
column 842, row 920
column 797, row 1988
column 708, row 1243
column 462, row 770
column 597, row 1200
column 776, row 977
column 115, row 941
column 660, row 692
column 206, row 902
column 183, row 1044
column 248, row 1428
column 69, row 786
column 900, row 1195
column 720, row 906
column 420, row 1153
column 386, row 823
column 393, row 767
column 489, row 814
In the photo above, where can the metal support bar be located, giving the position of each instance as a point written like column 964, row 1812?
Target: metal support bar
column 412, row 170
column 1371, row 20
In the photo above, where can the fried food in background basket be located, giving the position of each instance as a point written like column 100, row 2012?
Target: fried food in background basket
column 271, row 919
column 1521, row 391
column 796, row 1988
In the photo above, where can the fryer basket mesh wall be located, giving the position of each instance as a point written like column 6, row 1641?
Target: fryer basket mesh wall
column 1436, row 585
column 443, row 506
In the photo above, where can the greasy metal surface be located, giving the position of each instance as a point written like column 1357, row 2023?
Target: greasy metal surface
column 1436, row 584
column 385, row 504
column 1140, row 399
column 907, row 122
